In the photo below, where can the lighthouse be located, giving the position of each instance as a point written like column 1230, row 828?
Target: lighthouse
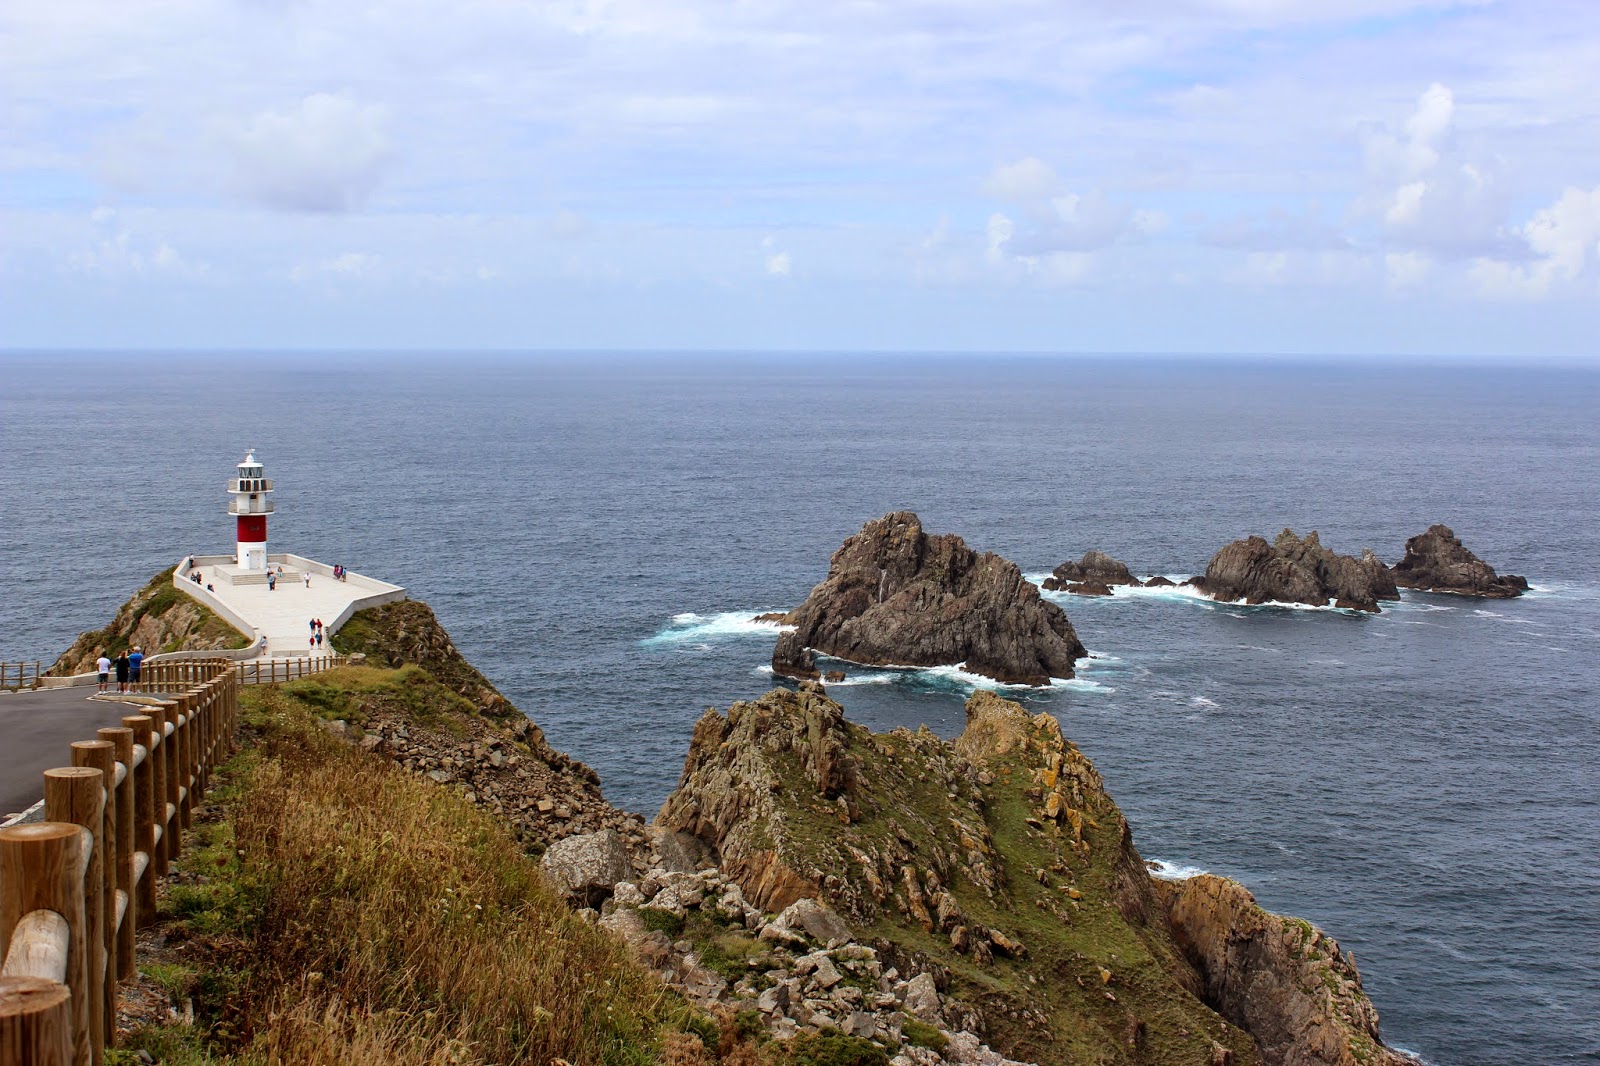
column 250, row 505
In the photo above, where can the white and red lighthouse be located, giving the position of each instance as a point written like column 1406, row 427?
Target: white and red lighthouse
column 250, row 505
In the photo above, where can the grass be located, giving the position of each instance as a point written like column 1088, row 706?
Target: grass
column 355, row 914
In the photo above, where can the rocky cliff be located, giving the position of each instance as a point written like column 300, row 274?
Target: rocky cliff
column 1437, row 561
column 448, row 722
column 158, row 618
column 998, row 865
column 1283, row 979
column 1292, row 570
column 895, row 596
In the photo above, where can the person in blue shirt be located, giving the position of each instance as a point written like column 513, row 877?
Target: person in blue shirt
column 135, row 659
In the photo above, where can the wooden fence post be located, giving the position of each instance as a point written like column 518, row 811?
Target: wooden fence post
column 76, row 794
column 41, row 868
column 142, row 890
column 119, row 850
column 35, row 1022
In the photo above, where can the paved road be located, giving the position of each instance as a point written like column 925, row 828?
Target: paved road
column 38, row 730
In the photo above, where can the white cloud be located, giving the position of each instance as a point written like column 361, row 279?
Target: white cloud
column 1564, row 238
column 1406, row 269
column 778, row 265
column 999, row 232
column 1026, row 180
column 1434, row 198
column 348, row 266
column 326, row 153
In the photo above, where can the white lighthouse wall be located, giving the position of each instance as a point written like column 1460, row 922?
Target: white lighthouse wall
column 252, row 555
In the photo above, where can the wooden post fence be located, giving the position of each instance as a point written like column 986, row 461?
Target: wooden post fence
column 74, row 887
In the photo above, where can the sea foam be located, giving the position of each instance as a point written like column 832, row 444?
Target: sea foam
column 691, row 628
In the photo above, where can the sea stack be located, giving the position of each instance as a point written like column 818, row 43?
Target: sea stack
column 1093, row 575
column 895, row 596
column 1436, row 561
column 1292, row 570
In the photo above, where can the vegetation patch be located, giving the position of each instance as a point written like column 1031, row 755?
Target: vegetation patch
column 355, row 914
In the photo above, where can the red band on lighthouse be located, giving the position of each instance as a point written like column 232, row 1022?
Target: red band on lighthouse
column 252, row 528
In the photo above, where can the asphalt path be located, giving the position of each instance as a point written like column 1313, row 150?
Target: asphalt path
column 36, row 733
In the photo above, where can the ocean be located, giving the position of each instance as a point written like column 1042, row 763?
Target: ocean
column 595, row 531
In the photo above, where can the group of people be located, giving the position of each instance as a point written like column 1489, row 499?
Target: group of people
column 127, row 664
column 316, row 633
column 339, row 572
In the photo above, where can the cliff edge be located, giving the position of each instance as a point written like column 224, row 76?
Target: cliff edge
column 998, row 864
column 157, row 618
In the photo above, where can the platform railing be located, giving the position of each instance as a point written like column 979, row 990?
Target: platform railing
column 74, row 887
column 268, row 671
column 15, row 676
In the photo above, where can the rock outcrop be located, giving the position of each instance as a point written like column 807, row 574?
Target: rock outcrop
column 1436, row 561
column 158, row 618
column 1095, row 569
column 1283, row 979
column 1292, row 570
column 895, row 596
column 999, row 849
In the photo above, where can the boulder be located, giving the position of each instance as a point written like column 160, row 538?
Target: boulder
column 896, row 596
column 1160, row 582
column 1292, row 570
column 816, row 920
column 1436, row 561
column 1096, row 567
column 586, row 867
column 1087, row 588
column 922, row 999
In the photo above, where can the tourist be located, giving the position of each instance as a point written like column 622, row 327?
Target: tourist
column 307, row 576
column 103, row 665
column 135, row 661
column 122, row 671
column 319, row 638
column 313, row 624
column 272, row 582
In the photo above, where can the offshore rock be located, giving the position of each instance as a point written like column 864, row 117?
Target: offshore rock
column 895, row 596
column 1095, row 568
column 1436, row 561
column 1292, row 570
column 1282, row 979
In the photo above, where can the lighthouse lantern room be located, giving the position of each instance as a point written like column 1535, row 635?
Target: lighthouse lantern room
column 251, row 505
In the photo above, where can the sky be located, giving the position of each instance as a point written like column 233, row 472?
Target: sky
column 1363, row 177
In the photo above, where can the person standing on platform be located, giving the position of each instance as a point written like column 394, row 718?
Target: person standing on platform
column 103, row 665
column 135, row 661
column 122, row 671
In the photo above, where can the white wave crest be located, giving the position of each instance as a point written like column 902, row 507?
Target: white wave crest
column 690, row 627
column 1171, row 871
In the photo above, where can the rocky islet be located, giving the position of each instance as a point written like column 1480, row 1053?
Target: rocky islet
column 898, row 596
column 1437, row 561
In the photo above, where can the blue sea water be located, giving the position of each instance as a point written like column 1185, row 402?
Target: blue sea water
column 595, row 532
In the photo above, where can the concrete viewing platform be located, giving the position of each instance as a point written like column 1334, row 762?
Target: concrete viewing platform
column 305, row 589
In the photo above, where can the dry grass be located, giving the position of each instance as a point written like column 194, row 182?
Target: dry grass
column 365, row 917
column 402, row 922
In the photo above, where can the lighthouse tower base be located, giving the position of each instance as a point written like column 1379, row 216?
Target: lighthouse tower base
column 252, row 556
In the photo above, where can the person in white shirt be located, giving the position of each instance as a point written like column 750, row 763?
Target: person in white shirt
column 103, row 665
